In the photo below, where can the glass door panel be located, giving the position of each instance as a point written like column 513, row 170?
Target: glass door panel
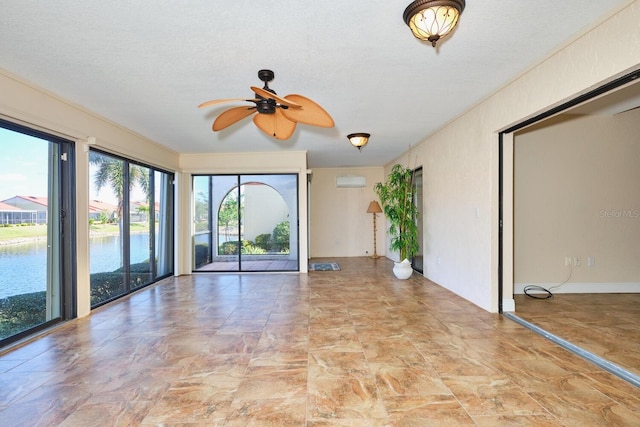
column 226, row 208
column 202, row 228
column 270, row 222
column 163, row 223
column 106, row 243
column 141, row 230
column 32, row 230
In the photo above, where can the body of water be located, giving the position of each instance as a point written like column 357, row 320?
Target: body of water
column 23, row 266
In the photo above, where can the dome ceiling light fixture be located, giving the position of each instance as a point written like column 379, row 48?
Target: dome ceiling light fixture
column 431, row 20
column 358, row 139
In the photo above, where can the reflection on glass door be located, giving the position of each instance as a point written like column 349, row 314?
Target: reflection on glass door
column 245, row 223
column 36, row 269
column 141, row 230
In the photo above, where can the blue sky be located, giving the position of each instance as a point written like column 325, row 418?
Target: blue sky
column 24, row 168
column 23, row 165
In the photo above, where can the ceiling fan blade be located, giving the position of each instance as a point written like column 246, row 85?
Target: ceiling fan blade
column 275, row 125
column 221, row 101
column 266, row 94
column 311, row 113
column 231, row 116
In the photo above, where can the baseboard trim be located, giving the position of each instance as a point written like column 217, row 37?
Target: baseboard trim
column 508, row 305
column 582, row 288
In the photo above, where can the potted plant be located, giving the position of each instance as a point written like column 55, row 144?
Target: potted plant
column 396, row 197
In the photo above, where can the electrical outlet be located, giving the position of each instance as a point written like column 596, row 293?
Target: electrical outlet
column 591, row 261
column 577, row 262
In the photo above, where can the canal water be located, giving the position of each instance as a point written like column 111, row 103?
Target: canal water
column 23, row 266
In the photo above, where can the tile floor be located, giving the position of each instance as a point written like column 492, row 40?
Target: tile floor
column 354, row 347
column 607, row 325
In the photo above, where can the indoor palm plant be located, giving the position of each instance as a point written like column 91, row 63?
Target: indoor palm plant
column 396, row 197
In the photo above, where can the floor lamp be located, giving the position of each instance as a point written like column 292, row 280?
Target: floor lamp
column 374, row 208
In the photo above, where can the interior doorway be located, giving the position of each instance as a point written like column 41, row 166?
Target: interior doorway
column 569, row 186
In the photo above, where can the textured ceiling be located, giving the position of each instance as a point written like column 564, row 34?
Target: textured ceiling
column 147, row 64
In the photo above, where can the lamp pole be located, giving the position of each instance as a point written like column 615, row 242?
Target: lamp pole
column 375, row 209
column 375, row 253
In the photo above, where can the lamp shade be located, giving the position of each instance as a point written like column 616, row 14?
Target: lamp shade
column 374, row 207
column 431, row 20
column 359, row 139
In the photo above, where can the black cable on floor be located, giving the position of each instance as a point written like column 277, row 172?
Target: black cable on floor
column 547, row 292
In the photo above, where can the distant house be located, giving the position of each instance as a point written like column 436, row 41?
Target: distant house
column 12, row 215
column 33, row 209
column 97, row 208
column 140, row 211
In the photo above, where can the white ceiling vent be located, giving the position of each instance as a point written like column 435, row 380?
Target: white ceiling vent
column 351, row 181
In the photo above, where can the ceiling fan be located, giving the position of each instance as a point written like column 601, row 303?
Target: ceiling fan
column 277, row 116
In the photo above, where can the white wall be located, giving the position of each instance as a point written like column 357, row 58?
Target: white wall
column 461, row 160
column 576, row 196
column 257, row 220
column 340, row 224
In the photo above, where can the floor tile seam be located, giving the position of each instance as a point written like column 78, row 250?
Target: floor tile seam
column 514, row 385
column 606, row 386
column 549, row 410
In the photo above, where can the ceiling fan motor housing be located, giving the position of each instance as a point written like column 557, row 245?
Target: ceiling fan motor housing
column 266, row 106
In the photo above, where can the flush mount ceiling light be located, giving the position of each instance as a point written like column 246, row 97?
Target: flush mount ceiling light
column 431, row 20
column 359, row 139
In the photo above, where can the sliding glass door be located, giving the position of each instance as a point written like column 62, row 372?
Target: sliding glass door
column 246, row 222
column 131, row 226
column 37, row 274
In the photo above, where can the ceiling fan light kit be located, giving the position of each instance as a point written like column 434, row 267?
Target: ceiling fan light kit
column 277, row 116
column 431, row 20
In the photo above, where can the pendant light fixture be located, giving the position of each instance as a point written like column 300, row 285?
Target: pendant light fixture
column 359, row 139
column 431, row 20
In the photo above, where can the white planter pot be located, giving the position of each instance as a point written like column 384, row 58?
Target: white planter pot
column 402, row 270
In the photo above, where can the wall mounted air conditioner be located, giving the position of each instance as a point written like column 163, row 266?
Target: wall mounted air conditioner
column 351, row 181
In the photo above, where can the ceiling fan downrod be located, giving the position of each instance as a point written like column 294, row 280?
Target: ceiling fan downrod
column 266, row 106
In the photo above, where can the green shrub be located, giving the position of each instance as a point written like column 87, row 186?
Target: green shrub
column 108, row 285
column 253, row 250
column 21, row 312
column 281, row 237
column 264, row 241
column 105, row 286
column 228, row 248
